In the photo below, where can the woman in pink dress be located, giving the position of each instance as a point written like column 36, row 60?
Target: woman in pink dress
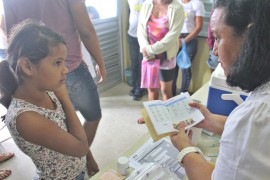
column 158, row 31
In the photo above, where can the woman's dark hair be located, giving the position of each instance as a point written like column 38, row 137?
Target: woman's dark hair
column 29, row 39
column 251, row 20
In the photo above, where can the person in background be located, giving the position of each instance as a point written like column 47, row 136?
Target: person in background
column 3, row 45
column 93, row 13
column 213, row 60
column 194, row 13
column 4, row 157
column 134, row 48
column 241, row 29
column 70, row 19
column 3, row 38
column 40, row 116
column 158, row 32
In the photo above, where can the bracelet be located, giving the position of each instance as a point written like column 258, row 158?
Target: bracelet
column 186, row 151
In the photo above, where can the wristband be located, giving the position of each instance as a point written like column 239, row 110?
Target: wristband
column 186, row 151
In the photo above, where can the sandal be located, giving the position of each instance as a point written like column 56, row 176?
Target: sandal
column 4, row 173
column 6, row 156
column 140, row 120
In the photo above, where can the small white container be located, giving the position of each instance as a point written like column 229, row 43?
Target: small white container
column 196, row 135
column 122, row 165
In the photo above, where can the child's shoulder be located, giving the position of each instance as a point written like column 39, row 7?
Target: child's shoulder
column 51, row 94
column 17, row 106
column 54, row 98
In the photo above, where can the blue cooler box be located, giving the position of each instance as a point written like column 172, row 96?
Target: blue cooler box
column 222, row 99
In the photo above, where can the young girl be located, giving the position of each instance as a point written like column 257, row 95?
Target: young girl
column 40, row 116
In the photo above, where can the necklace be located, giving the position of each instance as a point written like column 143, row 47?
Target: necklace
column 159, row 11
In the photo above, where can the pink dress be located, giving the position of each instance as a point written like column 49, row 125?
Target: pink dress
column 157, row 28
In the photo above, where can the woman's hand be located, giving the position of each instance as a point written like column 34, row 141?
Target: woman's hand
column 144, row 52
column 180, row 42
column 206, row 113
column 212, row 122
column 182, row 139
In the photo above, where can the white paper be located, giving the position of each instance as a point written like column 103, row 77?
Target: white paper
column 164, row 114
column 161, row 152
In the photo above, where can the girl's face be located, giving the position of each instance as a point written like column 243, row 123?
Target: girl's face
column 51, row 72
column 227, row 45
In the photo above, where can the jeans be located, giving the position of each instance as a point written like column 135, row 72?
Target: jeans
column 83, row 93
column 79, row 177
column 136, row 59
column 3, row 54
column 192, row 47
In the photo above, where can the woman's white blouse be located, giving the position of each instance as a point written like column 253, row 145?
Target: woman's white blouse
column 245, row 142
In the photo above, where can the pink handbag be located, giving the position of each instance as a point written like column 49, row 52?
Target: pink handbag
column 150, row 73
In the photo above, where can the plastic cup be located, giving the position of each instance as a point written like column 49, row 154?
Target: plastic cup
column 122, row 165
column 196, row 135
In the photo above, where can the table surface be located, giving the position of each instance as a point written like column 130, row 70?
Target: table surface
column 208, row 144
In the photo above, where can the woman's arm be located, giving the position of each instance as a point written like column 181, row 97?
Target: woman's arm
column 216, row 124
column 212, row 122
column 199, row 13
column 201, row 170
column 141, row 29
column 196, row 30
column 195, row 165
column 175, row 25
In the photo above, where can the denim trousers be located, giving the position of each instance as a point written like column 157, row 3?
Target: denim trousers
column 79, row 177
column 192, row 47
column 136, row 59
column 83, row 93
column 3, row 54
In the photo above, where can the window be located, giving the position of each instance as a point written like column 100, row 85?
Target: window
column 101, row 9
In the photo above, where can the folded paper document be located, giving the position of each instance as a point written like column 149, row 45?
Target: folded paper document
column 162, row 117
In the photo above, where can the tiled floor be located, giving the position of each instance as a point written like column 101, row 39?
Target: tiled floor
column 117, row 131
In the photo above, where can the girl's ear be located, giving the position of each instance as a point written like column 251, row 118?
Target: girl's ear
column 25, row 67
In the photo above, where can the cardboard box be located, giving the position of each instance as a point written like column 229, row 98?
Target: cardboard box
column 222, row 99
